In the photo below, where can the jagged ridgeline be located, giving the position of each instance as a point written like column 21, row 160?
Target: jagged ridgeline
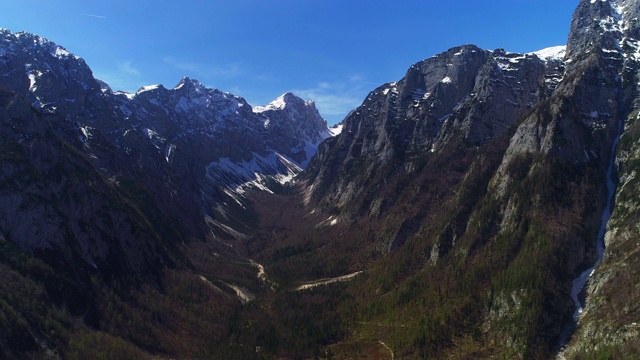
column 458, row 214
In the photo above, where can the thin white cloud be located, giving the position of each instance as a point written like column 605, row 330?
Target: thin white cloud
column 335, row 100
column 125, row 77
column 331, row 104
column 227, row 71
column 265, row 77
column 236, row 90
column 93, row 15
column 128, row 69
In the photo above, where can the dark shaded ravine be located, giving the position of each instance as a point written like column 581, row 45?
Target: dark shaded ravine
column 579, row 284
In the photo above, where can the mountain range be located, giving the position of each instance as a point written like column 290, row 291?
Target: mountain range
column 483, row 206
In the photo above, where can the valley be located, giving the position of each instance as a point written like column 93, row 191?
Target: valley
column 482, row 206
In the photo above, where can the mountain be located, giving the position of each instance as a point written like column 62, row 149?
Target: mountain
column 466, row 92
column 483, row 206
column 205, row 138
column 219, row 139
column 108, row 190
column 495, row 174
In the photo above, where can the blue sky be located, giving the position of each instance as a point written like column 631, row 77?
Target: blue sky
column 331, row 51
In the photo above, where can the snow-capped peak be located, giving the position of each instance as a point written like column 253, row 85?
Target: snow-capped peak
column 149, row 88
column 34, row 42
column 551, row 53
column 280, row 103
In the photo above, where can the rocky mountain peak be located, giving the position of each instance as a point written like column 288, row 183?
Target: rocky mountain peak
column 290, row 112
column 32, row 43
column 39, row 66
column 603, row 26
column 188, row 84
column 283, row 101
column 290, row 98
column 194, row 89
column 465, row 93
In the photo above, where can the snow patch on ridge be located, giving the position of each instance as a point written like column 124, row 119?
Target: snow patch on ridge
column 60, row 52
column 336, row 129
column 310, row 150
column 147, row 88
column 278, row 104
column 551, row 53
column 508, row 61
column 169, row 152
column 256, row 173
column 32, row 82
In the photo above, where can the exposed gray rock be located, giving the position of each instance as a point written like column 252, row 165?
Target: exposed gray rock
column 465, row 93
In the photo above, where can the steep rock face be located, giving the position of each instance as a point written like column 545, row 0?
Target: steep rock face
column 608, row 323
column 58, row 196
column 505, row 88
column 573, row 133
column 464, row 94
column 283, row 117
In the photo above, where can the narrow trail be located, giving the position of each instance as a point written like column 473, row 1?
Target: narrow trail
column 387, row 348
column 262, row 275
column 243, row 294
column 322, row 282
